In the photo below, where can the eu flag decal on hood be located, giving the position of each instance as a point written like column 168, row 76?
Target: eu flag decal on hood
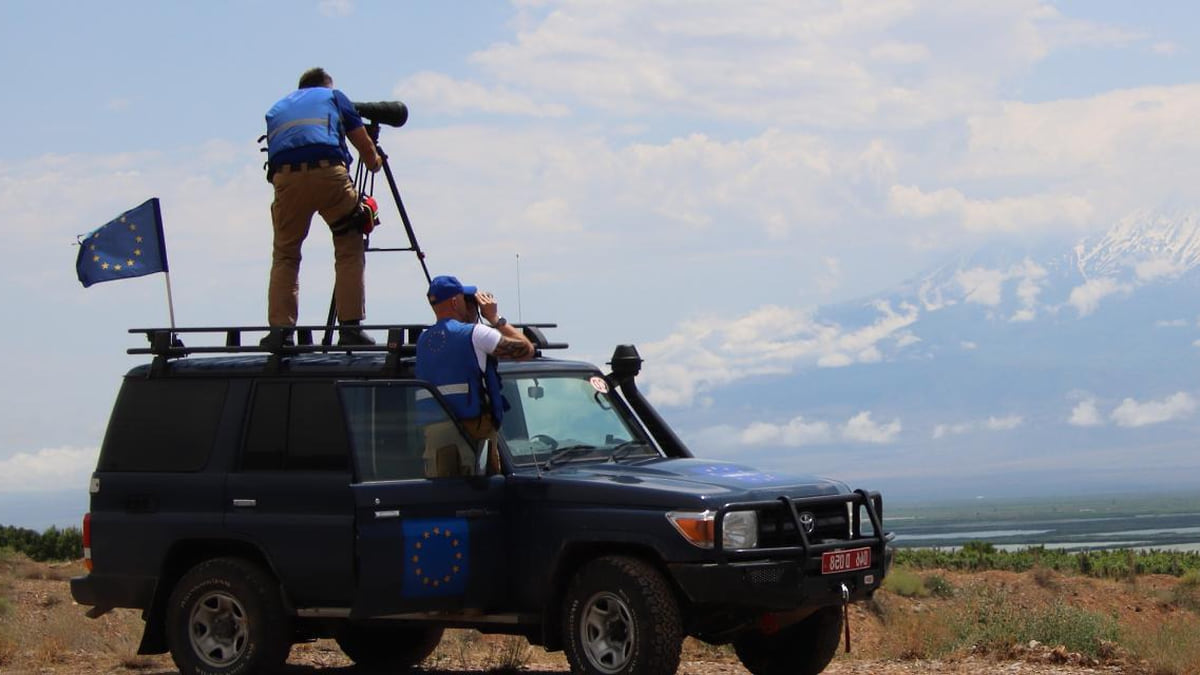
column 435, row 556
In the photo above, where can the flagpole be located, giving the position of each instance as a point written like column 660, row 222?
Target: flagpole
column 170, row 302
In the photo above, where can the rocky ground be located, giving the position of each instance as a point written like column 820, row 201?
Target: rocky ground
column 43, row 631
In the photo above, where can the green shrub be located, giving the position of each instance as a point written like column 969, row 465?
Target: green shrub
column 1106, row 564
column 992, row 621
column 938, row 586
column 905, row 583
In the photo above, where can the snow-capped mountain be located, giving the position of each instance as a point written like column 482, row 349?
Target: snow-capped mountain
column 1066, row 365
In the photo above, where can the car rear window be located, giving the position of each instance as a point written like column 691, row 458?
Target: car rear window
column 163, row 425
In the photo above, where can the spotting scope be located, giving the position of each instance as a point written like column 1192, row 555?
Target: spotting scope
column 391, row 113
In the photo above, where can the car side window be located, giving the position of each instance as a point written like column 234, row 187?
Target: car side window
column 399, row 431
column 147, row 433
column 295, row 426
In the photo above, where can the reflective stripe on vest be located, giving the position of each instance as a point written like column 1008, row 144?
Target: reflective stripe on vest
column 302, row 118
column 445, row 390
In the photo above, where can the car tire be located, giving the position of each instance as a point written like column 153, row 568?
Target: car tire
column 621, row 618
column 803, row 648
column 225, row 616
column 383, row 645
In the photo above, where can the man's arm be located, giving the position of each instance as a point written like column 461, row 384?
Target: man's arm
column 513, row 343
column 366, row 148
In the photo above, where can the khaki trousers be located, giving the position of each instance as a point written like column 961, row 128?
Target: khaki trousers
column 298, row 195
column 444, row 451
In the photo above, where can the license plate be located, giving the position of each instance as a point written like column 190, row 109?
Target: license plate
column 834, row 562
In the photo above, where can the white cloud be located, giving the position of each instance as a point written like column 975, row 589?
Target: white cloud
column 1086, row 298
column 1149, row 270
column 968, row 345
column 796, row 432
column 704, row 354
column 1131, row 413
column 943, row 430
column 1171, row 323
column 48, row 469
column 1165, row 47
column 1006, row 423
column 1085, row 414
column 1007, row 214
column 992, row 423
column 862, row 428
column 439, row 93
column 982, row 286
column 924, row 61
column 336, row 7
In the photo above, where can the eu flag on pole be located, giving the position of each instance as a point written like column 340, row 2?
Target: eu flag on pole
column 131, row 245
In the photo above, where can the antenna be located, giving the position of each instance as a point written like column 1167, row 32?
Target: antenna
column 519, row 320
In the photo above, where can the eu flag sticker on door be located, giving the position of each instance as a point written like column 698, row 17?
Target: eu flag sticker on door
column 435, row 556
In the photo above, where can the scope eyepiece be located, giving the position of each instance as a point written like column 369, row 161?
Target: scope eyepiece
column 391, row 113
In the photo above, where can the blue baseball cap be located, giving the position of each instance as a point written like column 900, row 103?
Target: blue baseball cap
column 443, row 288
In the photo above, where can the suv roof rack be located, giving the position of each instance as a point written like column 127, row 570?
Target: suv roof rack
column 165, row 343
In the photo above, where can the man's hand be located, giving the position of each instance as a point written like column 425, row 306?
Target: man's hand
column 488, row 308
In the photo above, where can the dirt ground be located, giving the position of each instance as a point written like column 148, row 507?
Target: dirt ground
column 43, row 631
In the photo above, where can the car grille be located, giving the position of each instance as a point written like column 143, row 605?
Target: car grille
column 777, row 527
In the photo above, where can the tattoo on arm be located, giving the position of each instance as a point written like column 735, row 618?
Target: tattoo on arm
column 512, row 348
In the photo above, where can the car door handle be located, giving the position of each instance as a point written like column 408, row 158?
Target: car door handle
column 245, row 503
column 475, row 513
column 387, row 514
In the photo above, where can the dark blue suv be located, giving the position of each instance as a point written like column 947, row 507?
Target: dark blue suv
column 247, row 498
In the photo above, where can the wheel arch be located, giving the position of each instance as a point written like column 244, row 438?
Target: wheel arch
column 574, row 557
column 183, row 556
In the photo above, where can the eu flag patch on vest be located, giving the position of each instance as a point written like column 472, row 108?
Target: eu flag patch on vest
column 435, row 556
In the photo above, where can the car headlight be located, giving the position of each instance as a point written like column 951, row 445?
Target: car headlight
column 739, row 529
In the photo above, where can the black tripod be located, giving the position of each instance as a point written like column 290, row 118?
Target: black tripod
column 364, row 182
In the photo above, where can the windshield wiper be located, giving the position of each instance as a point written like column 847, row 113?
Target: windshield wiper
column 623, row 450
column 568, row 452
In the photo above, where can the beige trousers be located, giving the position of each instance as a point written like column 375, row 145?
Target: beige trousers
column 444, row 451
column 299, row 194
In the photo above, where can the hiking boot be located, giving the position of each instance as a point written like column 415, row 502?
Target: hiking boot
column 275, row 340
column 354, row 337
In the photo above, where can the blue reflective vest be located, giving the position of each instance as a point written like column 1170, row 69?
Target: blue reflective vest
column 302, row 118
column 446, row 359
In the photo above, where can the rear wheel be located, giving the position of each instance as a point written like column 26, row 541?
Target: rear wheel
column 387, row 645
column 225, row 617
column 803, row 648
column 620, row 618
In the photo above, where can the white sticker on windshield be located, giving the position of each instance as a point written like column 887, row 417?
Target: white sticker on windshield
column 600, row 384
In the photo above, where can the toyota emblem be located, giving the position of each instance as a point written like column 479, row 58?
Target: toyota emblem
column 808, row 522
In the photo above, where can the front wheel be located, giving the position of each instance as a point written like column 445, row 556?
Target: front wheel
column 225, row 617
column 620, row 618
column 382, row 645
column 803, row 648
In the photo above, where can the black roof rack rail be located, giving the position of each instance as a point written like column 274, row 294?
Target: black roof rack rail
column 401, row 340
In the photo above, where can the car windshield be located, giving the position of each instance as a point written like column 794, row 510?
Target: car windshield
column 563, row 417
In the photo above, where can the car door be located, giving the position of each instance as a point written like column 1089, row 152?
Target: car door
column 429, row 533
column 290, row 494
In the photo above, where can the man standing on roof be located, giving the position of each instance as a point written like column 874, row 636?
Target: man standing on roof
column 452, row 355
column 307, row 162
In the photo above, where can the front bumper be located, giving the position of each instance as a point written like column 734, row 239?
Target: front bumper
column 772, row 585
column 786, row 573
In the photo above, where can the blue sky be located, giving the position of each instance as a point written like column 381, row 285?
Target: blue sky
column 667, row 172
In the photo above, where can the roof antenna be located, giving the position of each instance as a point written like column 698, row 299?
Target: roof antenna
column 519, row 320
